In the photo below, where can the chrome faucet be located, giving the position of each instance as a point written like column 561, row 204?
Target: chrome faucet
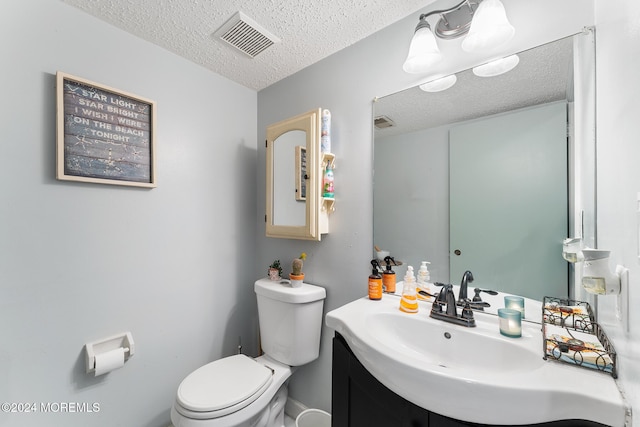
column 467, row 278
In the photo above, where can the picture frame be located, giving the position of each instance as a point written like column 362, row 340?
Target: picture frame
column 103, row 135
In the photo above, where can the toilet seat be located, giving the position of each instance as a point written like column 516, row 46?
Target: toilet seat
column 222, row 387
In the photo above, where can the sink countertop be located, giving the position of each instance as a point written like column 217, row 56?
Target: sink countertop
column 474, row 374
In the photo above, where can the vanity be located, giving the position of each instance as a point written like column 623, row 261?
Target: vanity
column 396, row 369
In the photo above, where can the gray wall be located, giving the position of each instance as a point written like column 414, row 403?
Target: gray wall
column 78, row 262
column 411, row 200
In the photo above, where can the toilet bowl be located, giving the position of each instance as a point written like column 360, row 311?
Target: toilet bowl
column 238, row 391
column 234, row 391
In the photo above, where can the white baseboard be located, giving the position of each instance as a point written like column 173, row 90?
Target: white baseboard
column 293, row 408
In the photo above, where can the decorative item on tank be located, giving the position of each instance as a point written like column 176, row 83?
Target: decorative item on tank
column 296, row 275
column 275, row 270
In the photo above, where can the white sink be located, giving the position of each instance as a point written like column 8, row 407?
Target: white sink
column 472, row 374
column 471, row 352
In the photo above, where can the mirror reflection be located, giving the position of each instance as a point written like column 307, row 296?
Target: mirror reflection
column 288, row 186
column 484, row 175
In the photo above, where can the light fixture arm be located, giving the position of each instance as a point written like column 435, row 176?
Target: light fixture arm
column 441, row 11
column 483, row 23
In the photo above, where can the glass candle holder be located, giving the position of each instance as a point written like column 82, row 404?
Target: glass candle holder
column 515, row 303
column 510, row 322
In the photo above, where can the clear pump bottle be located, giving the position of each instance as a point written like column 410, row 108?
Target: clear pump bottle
column 424, row 278
column 409, row 300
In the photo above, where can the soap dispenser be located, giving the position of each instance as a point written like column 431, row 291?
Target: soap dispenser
column 375, row 281
column 389, row 276
column 423, row 279
column 409, row 300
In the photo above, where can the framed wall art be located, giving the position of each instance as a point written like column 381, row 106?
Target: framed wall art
column 104, row 135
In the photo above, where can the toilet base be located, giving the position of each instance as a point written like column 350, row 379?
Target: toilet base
column 266, row 411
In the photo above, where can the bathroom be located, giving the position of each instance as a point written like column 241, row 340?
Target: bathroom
column 175, row 265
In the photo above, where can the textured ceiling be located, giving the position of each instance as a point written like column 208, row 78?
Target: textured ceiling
column 309, row 30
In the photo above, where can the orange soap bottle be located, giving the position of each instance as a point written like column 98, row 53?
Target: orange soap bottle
column 409, row 300
column 389, row 276
column 375, row 281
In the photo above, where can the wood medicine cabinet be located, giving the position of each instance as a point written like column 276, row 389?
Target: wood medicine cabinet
column 295, row 208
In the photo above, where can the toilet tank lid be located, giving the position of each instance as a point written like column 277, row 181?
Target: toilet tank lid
column 276, row 290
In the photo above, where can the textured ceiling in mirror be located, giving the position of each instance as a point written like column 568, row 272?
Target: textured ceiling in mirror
column 543, row 75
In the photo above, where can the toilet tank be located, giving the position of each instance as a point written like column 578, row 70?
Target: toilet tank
column 290, row 320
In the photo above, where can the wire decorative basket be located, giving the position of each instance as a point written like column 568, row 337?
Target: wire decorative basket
column 571, row 335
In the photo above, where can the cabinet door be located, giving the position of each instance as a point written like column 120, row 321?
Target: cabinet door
column 360, row 400
column 293, row 177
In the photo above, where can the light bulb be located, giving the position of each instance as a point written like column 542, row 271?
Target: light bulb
column 440, row 84
column 497, row 67
column 490, row 27
column 423, row 51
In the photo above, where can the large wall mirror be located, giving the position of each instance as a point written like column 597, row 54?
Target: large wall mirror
column 492, row 174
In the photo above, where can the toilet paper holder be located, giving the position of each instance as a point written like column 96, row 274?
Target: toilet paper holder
column 124, row 340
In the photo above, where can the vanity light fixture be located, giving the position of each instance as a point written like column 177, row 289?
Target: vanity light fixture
column 485, row 21
column 440, row 84
column 497, row 67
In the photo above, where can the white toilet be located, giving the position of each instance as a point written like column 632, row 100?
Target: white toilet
column 238, row 391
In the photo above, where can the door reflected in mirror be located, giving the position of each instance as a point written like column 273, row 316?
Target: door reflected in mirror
column 418, row 173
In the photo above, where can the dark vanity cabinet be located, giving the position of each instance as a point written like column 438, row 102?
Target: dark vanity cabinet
column 360, row 400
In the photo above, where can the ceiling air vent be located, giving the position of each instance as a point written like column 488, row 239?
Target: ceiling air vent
column 246, row 35
column 383, row 122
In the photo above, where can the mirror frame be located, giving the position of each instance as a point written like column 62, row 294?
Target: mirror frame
column 309, row 123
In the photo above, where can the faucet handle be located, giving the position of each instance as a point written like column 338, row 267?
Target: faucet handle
column 467, row 312
column 477, row 291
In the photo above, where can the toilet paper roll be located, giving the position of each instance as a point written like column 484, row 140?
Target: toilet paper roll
column 109, row 360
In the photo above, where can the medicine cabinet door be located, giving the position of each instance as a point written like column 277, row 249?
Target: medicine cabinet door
column 293, row 186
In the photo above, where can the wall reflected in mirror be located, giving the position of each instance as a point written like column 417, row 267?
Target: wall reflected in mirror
column 289, row 189
column 428, row 193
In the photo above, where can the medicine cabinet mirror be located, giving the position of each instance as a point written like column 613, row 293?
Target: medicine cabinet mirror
column 295, row 208
column 420, row 166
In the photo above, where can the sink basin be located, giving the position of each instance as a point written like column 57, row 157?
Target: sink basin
column 471, row 352
column 472, row 374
